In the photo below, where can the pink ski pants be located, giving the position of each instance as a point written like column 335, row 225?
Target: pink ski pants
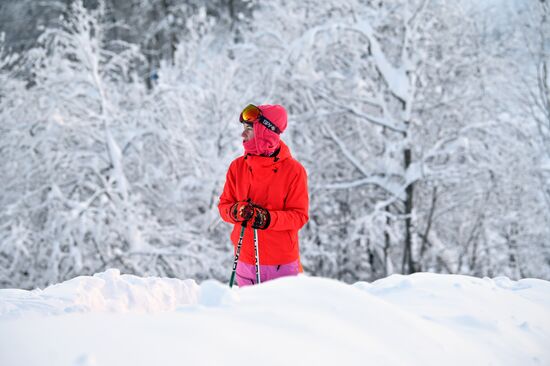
column 246, row 273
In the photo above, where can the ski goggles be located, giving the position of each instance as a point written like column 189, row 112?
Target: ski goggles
column 252, row 114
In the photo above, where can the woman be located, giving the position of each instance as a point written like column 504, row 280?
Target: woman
column 266, row 192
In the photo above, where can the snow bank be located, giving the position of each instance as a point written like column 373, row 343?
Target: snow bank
column 421, row 319
column 104, row 292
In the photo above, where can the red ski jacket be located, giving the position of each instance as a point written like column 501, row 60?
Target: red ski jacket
column 278, row 184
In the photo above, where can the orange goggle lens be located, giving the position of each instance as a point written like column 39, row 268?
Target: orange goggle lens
column 250, row 114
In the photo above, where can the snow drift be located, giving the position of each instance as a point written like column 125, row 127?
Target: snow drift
column 421, row 319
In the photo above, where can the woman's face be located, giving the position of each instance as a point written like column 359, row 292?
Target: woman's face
column 248, row 132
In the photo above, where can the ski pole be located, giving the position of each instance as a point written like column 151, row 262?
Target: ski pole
column 239, row 244
column 257, row 256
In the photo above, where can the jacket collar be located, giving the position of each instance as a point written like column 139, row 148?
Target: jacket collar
column 257, row 161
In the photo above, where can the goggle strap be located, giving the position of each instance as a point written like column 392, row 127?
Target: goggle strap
column 269, row 125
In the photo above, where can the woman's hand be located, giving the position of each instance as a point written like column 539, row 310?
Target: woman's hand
column 242, row 211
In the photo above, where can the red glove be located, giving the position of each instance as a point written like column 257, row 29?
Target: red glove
column 241, row 211
column 261, row 218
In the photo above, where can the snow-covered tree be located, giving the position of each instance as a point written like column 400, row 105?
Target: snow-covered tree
column 96, row 165
column 419, row 154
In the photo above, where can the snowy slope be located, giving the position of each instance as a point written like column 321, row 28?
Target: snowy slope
column 422, row 319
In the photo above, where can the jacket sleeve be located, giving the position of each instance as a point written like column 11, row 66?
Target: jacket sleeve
column 296, row 211
column 228, row 197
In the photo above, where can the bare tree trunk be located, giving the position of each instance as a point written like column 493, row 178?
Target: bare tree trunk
column 408, row 265
column 387, row 245
column 171, row 37
column 424, row 236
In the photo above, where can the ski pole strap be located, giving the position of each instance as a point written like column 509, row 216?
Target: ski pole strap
column 237, row 253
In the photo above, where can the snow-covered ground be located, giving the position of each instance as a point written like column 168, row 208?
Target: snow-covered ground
column 422, row 319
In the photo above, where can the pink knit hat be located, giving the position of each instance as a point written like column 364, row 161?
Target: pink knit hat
column 265, row 141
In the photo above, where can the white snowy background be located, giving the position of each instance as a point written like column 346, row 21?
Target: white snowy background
column 424, row 126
